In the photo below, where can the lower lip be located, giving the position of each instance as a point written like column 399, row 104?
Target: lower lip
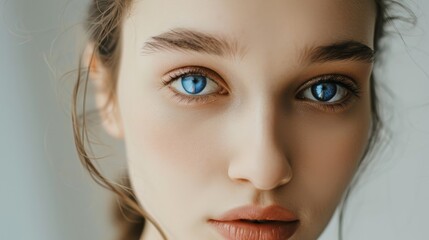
column 243, row 230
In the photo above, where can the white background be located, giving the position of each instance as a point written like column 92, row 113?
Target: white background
column 45, row 194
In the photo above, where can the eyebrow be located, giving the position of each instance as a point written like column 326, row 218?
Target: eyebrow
column 182, row 39
column 350, row 50
column 187, row 40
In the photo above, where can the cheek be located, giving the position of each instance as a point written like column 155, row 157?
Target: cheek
column 325, row 158
column 172, row 152
column 169, row 141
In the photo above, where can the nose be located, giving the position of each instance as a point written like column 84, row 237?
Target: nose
column 260, row 158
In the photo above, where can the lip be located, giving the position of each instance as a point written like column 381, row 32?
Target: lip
column 276, row 223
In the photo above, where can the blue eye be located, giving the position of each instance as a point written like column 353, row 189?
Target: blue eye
column 326, row 92
column 193, row 84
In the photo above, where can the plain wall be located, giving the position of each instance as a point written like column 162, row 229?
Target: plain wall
column 45, row 192
column 47, row 195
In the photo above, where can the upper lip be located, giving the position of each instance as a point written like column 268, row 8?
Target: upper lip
column 253, row 212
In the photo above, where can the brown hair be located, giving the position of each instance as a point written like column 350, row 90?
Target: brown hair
column 104, row 26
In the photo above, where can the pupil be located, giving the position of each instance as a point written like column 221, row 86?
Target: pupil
column 194, row 84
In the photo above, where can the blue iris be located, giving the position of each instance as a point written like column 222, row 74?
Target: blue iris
column 194, row 84
column 324, row 91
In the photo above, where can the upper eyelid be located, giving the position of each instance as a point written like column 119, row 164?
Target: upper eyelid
column 341, row 79
column 182, row 71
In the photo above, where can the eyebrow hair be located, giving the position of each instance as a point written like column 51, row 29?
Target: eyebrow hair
column 182, row 39
column 345, row 50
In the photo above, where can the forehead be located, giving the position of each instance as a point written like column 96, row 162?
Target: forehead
column 262, row 25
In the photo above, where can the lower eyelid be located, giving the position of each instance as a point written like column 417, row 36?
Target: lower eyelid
column 195, row 99
column 332, row 107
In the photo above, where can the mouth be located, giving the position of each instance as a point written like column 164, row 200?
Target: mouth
column 249, row 229
column 255, row 223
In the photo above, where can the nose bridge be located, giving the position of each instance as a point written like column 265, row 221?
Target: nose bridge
column 261, row 159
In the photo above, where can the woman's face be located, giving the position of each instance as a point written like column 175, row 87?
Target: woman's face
column 231, row 103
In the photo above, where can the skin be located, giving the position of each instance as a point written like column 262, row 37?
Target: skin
column 259, row 144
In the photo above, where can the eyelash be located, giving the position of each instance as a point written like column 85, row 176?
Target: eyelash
column 354, row 91
column 341, row 80
column 194, row 99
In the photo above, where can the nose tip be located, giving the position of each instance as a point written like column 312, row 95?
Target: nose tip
column 263, row 185
column 263, row 175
